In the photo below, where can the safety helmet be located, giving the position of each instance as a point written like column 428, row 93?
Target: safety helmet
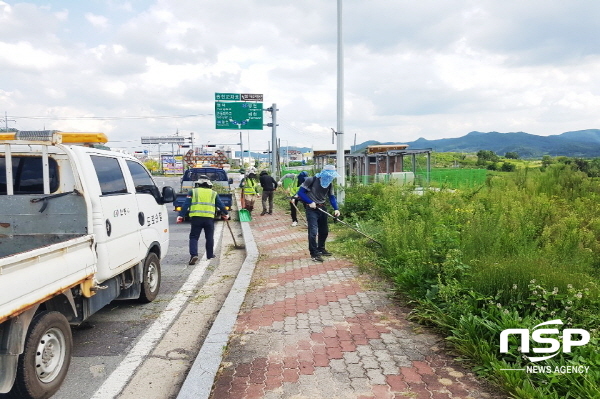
column 203, row 181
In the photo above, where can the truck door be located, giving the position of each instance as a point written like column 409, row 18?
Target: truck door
column 120, row 239
column 152, row 214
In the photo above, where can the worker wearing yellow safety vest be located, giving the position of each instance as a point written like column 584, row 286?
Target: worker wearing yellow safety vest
column 249, row 191
column 202, row 205
column 293, row 192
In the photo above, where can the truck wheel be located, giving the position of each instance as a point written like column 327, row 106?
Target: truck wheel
column 45, row 360
column 151, row 276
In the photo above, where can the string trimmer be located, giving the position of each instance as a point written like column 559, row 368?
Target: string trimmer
column 349, row 225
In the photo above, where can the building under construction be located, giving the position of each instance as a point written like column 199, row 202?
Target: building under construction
column 379, row 163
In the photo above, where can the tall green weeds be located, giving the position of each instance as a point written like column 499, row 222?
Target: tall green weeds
column 519, row 250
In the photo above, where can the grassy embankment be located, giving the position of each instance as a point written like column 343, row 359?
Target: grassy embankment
column 521, row 249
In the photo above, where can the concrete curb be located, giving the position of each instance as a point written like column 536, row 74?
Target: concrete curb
column 199, row 381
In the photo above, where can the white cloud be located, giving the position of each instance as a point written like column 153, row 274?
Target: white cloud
column 97, row 21
column 25, row 57
column 427, row 68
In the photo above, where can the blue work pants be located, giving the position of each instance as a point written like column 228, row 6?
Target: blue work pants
column 208, row 225
column 318, row 230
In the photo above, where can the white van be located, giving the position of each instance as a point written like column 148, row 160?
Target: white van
column 79, row 227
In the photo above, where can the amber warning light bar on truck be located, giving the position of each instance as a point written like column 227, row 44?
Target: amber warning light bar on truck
column 56, row 136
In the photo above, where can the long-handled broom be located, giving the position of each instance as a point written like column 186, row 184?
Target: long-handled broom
column 237, row 246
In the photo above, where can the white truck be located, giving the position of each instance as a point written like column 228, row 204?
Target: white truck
column 79, row 228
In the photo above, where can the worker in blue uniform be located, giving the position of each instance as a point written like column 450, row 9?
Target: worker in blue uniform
column 314, row 193
column 202, row 204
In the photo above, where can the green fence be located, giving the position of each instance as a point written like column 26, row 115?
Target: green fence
column 452, row 178
column 455, row 178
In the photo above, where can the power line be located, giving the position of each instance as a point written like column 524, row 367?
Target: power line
column 301, row 132
column 108, row 118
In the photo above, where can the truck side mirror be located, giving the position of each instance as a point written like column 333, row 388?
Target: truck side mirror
column 168, row 194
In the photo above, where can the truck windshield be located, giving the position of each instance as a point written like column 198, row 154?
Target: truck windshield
column 28, row 176
column 212, row 174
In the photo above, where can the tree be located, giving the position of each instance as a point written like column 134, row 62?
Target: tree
column 508, row 167
column 152, row 165
column 547, row 161
column 485, row 156
column 511, row 155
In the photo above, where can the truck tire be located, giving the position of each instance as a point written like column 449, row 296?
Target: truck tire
column 46, row 357
column 151, row 276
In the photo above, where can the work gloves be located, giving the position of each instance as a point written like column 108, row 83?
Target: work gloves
column 179, row 219
column 225, row 217
column 336, row 213
column 312, row 205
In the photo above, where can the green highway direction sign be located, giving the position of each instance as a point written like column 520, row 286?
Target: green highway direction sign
column 239, row 115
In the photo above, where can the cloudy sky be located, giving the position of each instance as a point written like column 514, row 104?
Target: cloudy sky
column 413, row 68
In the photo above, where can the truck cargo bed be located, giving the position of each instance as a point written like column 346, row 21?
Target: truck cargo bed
column 44, row 272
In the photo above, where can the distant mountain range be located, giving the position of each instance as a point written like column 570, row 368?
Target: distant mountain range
column 581, row 143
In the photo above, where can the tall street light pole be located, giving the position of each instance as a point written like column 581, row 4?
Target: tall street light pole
column 341, row 164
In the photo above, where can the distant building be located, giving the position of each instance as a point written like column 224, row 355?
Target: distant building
column 375, row 161
column 294, row 155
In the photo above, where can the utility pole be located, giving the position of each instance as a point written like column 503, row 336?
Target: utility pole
column 6, row 120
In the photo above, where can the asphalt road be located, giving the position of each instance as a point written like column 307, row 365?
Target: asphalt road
column 106, row 343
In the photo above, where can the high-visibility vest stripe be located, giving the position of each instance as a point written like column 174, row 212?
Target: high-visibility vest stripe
column 203, row 202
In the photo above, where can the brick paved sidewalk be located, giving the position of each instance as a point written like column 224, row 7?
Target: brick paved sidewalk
column 320, row 330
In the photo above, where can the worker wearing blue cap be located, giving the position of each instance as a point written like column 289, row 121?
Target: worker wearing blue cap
column 314, row 192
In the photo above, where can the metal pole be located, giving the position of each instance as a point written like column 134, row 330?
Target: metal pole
column 160, row 164
column 6, row 120
column 192, row 142
column 274, row 143
column 341, row 163
column 9, row 169
column 241, row 151
column 428, row 167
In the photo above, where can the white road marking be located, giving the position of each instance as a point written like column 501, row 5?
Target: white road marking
column 118, row 379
